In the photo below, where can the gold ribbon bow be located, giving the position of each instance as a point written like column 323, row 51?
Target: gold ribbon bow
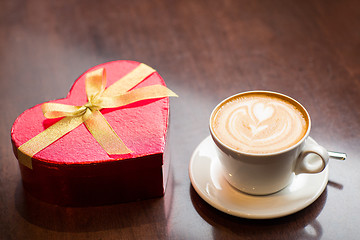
column 114, row 96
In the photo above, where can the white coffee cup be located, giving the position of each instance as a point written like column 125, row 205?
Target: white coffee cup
column 254, row 170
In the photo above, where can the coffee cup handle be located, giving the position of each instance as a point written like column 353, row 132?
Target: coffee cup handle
column 307, row 163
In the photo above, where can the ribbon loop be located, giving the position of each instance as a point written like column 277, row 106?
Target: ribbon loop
column 149, row 92
column 95, row 83
column 57, row 110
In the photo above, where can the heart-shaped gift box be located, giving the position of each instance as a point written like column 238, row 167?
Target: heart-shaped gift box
column 75, row 168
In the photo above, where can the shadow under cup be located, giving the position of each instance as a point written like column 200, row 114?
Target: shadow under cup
column 261, row 173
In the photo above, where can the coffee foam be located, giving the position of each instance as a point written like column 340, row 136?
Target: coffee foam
column 259, row 123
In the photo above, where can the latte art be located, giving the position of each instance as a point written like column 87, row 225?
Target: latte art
column 259, row 123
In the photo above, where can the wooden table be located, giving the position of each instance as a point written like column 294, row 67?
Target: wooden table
column 205, row 51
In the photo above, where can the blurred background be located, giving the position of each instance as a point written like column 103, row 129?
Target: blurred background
column 205, row 51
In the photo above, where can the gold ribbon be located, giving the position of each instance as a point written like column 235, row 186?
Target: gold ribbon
column 98, row 97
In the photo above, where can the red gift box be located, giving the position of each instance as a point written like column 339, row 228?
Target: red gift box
column 76, row 168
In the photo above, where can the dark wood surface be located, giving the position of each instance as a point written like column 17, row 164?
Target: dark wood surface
column 205, row 51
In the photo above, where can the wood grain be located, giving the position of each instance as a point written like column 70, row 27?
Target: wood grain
column 206, row 51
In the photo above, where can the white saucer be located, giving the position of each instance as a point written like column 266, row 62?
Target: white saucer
column 206, row 177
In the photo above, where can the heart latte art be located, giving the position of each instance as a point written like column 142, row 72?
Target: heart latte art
column 259, row 123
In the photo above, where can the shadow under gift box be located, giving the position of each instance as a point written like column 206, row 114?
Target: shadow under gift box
column 76, row 171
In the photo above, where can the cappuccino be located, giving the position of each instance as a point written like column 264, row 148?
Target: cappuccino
column 260, row 122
